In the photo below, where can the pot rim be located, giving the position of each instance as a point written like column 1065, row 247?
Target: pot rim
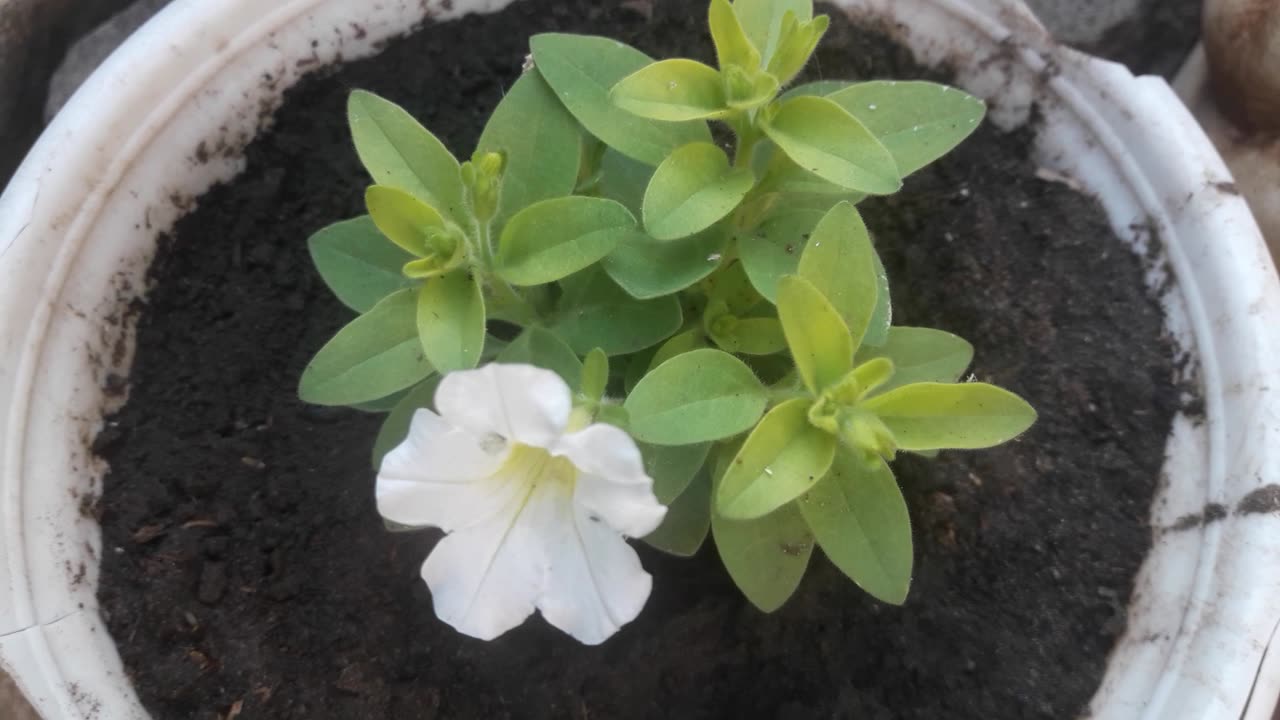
column 1206, row 601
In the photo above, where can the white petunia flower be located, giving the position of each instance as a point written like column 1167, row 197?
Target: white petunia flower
column 536, row 509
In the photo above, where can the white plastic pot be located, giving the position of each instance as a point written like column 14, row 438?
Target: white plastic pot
column 78, row 225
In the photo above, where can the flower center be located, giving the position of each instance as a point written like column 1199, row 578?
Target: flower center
column 535, row 465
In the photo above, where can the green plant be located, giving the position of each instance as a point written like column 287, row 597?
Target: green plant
column 732, row 311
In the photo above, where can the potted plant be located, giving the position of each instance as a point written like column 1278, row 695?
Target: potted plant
column 48, row 630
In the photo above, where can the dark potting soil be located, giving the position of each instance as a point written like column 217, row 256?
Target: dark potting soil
column 246, row 566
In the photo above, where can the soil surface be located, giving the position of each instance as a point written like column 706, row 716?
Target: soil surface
column 248, row 572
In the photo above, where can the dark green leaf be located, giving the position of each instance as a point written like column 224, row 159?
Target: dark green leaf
column 376, row 355
column 582, row 69
column 358, row 263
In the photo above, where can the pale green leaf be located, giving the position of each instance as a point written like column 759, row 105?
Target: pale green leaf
column 540, row 141
column 823, row 138
column 357, row 262
column 782, row 458
column 672, row 467
column 766, row 557
column 733, row 47
column 674, row 90
column 687, row 341
column 695, row 397
column 595, row 312
column 918, row 122
column 595, row 375
column 688, row 520
column 839, row 262
column 732, row 287
column 691, row 190
column 397, row 151
column 819, row 341
column 646, row 268
column 556, row 238
column 783, row 176
column 752, row 336
column 859, row 518
column 921, row 355
column 395, row 428
column 582, row 69
column 403, row 218
column 377, row 354
column 799, row 40
column 938, row 416
column 540, row 347
column 773, row 250
column 451, row 321
column 762, row 21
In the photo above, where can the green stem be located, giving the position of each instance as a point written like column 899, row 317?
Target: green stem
column 748, row 137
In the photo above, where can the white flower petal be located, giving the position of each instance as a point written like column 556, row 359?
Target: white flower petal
column 520, row 402
column 612, row 483
column 595, row 583
column 485, row 579
column 440, row 476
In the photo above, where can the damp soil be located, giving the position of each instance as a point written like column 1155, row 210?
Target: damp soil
column 247, row 571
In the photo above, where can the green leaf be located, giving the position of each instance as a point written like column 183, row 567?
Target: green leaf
column 403, row 218
column 732, row 287
column 817, row 88
column 451, row 321
column 695, row 397
column 357, row 262
column 782, row 458
column 733, row 47
column 595, row 312
column 381, row 405
column 762, row 21
column 638, row 364
column 860, row 520
column 688, row 520
column 647, row 269
column 799, row 40
column 395, row 428
column 556, row 238
column 376, row 355
column 687, row 341
column 397, row 151
column 921, row 355
column 819, row 341
column 882, row 316
column 826, row 140
column 582, row 69
column 540, row 142
column 937, row 416
column 766, row 557
column 748, row 90
column 751, row 336
column 623, row 180
column 672, row 91
column 691, row 190
column 595, row 375
column 839, row 262
column 918, row 121
column 672, row 467
column 774, row 249
column 540, row 347
column 783, row 175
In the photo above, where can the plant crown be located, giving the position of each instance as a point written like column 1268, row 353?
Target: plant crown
column 727, row 309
